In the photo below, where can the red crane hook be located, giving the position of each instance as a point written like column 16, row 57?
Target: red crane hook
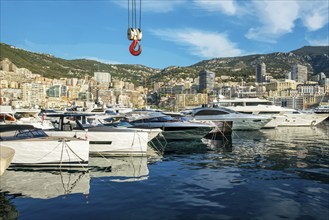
column 133, row 46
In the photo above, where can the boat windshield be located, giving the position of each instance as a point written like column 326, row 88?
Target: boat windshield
column 22, row 134
column 35, row 133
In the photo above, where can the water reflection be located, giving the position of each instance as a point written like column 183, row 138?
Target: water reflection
column 222, row 145
column 119, row 169
column 53, row 183
column 303, row 151
column 299, row 150
column 44, row 184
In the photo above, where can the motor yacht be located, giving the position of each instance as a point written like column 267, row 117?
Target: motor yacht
column 219, row 114
column 173, row 129
column 104, row 140
column 281, row 116
column 34, row 148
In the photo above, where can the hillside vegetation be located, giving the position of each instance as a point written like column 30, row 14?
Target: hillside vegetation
column 314, row 57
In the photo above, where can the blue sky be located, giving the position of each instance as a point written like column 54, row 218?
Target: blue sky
column 175, row 32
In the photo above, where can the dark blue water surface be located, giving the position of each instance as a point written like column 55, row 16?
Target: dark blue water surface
column 280, row 173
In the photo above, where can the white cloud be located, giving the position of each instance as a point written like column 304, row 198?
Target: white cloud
column 200, row 43
column 319, row 42
column 156, row 6
column 227, row 7
column 277, row 17
column 315, row 14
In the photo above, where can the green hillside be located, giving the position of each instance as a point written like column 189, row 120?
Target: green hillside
column 53, row 67
column 277, row 64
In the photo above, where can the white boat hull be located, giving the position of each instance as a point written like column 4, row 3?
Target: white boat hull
column 6, row 156
column 307, row 119
column 48, row 151
column 239, row 123
column 114, row 143
column 283, row 117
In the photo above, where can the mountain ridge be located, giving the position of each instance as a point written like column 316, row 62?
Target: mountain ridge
column 316, row 58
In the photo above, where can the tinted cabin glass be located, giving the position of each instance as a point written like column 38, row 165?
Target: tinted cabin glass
column 211, row 112
column 269, row 112
column 97, row 110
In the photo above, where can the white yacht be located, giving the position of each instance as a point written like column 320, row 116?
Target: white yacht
column 173, row 129
column 34, row 148
column 104, row 140
column 281, row 116
column 115, row 122
column 218, row 114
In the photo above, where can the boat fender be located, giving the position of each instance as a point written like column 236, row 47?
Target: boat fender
column 313, row 123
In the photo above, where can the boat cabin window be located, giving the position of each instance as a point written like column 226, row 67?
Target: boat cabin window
column 155, row 119
column 258, row 103
column 269, row 112
column 97, row 110
column 211, row 112
column 226, row 104
column 110, row 112
column 237, row 104
column 245, row 112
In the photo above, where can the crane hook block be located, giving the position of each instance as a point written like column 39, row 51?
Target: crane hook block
column 133, row 46
column 131, row 34
column 139, row 34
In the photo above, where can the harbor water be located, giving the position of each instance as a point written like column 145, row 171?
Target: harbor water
column 280, row 173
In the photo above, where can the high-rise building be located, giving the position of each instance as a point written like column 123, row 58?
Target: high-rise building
column 299, row 73
column 260, row 72
column 57, row 91
column 206, row 81
column 33, row 93
column 102, row 77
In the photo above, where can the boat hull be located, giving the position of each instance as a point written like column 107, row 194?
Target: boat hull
column 111, row 143
column 49, row 152
column 179, row 130
column 239, row 123
column 6, row 156
column 191, row 133
column 283, row 117
column 307, row 119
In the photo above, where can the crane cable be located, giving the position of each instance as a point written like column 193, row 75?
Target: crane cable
column 133, row 13
column 134, row 32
